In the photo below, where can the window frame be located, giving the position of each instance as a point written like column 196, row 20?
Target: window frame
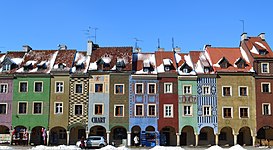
column 184, row 86
column 18, row 108
column 230, row 91
column 171, row 87
column 269, row 109
column 269, row 87
column 142, row 111
column 243, row 107
column 148, row 88
column 56, row 87
column 19, row 90
column 203, row 110
column 223, row 112
column 33, row 108
column 209, row 89
column 102, row 87
column 171, row 111
column 142, row 88
column 74, row 108
column 34, row 85
column 6, row 67
column 79, row 83
column 148, row 110
column 191, row 110
column 6, row 89
column 239, row 91
column 118, row 105
column 55, row 106
column 262, row 69
column 102, row 109
column 115, row 88
column 6, row 110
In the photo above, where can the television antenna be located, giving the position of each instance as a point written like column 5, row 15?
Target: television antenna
column 136, row 41
column 88, row 33
column 243, row 23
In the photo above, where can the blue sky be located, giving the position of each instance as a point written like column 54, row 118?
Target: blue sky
column 43, row 24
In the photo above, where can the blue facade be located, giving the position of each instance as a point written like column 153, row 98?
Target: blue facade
column 207, row 97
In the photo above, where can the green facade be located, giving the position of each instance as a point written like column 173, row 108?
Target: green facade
column 30, row 119
column 187, row 99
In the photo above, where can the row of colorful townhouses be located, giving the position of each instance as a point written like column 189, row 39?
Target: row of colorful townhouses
column 216, row 96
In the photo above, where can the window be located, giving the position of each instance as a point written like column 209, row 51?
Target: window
column 6, row 67
column 168, row 87
column 206, row 111
column 266, row 109
column 243, row 112
column 22, row 86
column 185, row 70
column 226, row 91
column 22, row 108
column 119, row 89
column 98, row 110
column 37, row 108
column 151, row 110
column 3, row 108
column 186, row 89
column 266, row 87
column 78, row 109
column 167, row 68
column 3, row 88
column 59, row 87
column 119, row 110
column 58, row 108
column 206, row 90
column 151, row 88
column 38, row 86
column 227, row 112
column 168, row 110
column 98, row 88
column 243, row 91
column 139, row 88
column 139, row 110
column 265, row 67
column 187, row 110
column 78, row 88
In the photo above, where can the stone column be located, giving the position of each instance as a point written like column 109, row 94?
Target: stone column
column 254, row 140
column 67, row 137
column 177, row 139
column 128, row 138
column 108, row 137
column 196, row 139
column 216, row 139
column 10, row 133
column 235, row 138
column 29, row 135
column 47, row 137
column 86, row 132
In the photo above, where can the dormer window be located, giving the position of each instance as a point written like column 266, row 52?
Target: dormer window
column 120, row 65
column 146, row 65
column 41, row 66
column 167, row 68
column 185, row 68
column 224, row 63
column 145, row 69
column 61, row 66
column 262, row 52
column 28, row 67
column 241, row 63
column 79, row 66
column 6, row 67
column 206, row 69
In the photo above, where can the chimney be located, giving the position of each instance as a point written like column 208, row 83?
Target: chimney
column 62, row 47
column 160, row 49
column 206, row 46
column 243, row 36
column 262, row 36
column 89, row 47
column 26, row 48
column 177, row 49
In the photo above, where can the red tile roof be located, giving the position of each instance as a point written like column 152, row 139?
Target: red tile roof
column 66, row 57
column 160, row 56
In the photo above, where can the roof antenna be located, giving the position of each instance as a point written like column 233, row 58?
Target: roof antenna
column 172, row 42
column 158, row 43
column 95, row 34
column 243, row 22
